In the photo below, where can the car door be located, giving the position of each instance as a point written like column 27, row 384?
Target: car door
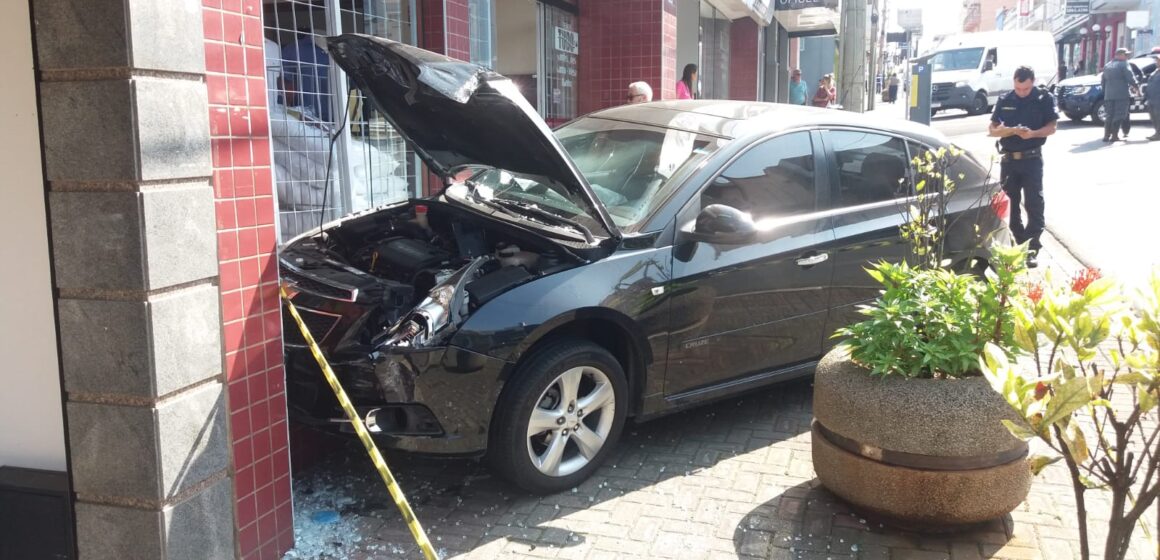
column 749, row 309
column 997, row 79
column 869, row 196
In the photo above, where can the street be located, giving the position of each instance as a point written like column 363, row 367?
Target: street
column 1100, row 199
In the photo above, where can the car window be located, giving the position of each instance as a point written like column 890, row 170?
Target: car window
column 966, row 171
column 773, row 179
column 871, row 167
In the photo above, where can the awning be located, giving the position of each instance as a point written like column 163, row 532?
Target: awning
column 807, row 18
column 1067, row 30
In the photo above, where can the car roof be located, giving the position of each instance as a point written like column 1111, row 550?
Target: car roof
column 738, row 119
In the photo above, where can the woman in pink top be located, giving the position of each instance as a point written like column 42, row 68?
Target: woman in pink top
column 687, row 85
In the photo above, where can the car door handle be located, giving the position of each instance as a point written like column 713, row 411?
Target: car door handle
column 813, row 260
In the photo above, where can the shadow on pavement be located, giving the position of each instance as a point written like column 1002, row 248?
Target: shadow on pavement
column 463, row 506
column 1090, row 146
column 807, row 520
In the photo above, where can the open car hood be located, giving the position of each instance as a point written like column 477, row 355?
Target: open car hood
column 454, row 113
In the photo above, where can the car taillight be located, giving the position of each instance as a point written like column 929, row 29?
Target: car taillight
column 1001, row 204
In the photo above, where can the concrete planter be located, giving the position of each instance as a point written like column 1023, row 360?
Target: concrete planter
column 927, row 454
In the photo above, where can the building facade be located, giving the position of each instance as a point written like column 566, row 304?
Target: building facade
column 162, row 150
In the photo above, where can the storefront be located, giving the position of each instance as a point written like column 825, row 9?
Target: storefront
column 182, row 144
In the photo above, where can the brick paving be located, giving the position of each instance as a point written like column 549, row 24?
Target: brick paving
column 730, row 480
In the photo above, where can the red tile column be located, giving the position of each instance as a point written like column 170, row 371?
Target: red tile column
column 445, row 29
column 251, row 313
column 623, row 41
column 743, row 59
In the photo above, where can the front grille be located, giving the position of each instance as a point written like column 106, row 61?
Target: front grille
column 941, row 92
column 317, row 286
column 320, row 324
column 1063, row 91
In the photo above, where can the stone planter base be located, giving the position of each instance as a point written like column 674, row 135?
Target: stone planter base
column 917, row 499
column 925, row 454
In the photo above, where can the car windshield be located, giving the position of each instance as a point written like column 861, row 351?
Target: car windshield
column 629, row 166
column 958, row 59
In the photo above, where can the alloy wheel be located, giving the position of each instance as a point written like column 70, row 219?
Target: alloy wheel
column 571, row 422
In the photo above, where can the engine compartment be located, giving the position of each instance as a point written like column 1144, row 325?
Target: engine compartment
column 422, row 268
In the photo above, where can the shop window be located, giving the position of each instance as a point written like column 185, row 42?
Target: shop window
column 559, row 47
column 713, row 72
column 481, row 18
column 323, row 169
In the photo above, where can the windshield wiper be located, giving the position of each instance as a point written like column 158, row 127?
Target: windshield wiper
column 543, row 214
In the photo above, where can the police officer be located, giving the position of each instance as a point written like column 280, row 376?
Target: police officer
column 1022, row 121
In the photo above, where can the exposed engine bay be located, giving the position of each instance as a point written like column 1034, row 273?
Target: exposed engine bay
column 407, row 277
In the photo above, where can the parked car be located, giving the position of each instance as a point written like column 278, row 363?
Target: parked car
column 637, row 261
column 1083, row 96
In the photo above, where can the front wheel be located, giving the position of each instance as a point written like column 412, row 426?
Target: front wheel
column 979, row 104
column 559, row 417
column 1099, row 113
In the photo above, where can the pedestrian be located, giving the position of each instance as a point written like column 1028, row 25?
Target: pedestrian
column 687, row 86
column 639, row 92
column 798, row 90
column 822, row 94
column 1152, row 95
column 1023, row 119
column 893, row 88
column 1118, row 81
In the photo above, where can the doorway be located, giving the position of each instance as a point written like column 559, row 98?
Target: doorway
column 536, row 46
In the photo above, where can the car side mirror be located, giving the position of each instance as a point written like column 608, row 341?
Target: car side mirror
column 988, row 66
column 724, row 225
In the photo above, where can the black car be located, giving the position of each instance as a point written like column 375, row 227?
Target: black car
column 637, row 261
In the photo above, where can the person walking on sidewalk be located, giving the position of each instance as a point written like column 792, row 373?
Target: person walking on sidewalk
column 893, row 87
column 1152, row 94
column 1023, row 119
column 1118, row 82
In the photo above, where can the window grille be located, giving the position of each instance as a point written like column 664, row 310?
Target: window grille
column 308, row 94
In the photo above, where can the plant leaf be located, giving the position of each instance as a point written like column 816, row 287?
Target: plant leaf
column 1040, row 462
column 1092, row 484
column 1019, row 430
column 1076, row 442
column 1070, row 396
column 1147, row 398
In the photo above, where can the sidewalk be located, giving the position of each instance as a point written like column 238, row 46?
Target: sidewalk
column 731, row 480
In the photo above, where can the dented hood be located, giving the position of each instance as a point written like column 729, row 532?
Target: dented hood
column 454, row 113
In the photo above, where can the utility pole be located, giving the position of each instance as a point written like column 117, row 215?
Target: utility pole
column 852, row 73
column 872, row 57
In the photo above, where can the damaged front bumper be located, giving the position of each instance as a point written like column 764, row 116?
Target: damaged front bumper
column 436, row 400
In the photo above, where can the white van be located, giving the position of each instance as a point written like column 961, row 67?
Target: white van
column 970, row 71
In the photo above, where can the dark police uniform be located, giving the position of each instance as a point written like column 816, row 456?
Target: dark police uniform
column 1021, row 170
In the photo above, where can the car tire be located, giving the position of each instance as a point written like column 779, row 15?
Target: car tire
column 1098, row 113
column 978, row 104
column 1075, row 117
column 532, row 458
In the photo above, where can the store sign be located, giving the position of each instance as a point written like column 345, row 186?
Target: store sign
column 1078, row 7
column 910, row 19
column 567, row 41
column 782, row 5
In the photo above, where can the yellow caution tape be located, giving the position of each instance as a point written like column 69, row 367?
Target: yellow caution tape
column 364, row 435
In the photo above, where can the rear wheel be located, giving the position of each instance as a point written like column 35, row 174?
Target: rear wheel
column 1099, row 113
column 559, row 417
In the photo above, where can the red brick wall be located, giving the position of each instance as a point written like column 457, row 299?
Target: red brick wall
column 455, row 44
column 623, row 41
column 743, row 59
column 243, row 187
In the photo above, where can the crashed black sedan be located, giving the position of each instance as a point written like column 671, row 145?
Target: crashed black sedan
column 632, row 263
